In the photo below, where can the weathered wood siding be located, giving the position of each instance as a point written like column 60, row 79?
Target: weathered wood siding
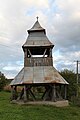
column 36, row 61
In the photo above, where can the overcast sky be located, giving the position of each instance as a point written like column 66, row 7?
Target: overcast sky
column 60, row 18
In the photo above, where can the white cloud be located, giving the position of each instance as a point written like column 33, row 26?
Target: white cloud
column 11, row 68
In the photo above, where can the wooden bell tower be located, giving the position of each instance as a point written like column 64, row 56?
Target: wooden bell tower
column 38, row 69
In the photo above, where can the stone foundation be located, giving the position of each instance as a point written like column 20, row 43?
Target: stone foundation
column 62, row 103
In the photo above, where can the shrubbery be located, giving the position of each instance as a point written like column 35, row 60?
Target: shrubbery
column 70, row 77
column 3, row 81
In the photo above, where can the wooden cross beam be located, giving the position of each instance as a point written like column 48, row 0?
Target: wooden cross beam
column 44, row 52
column 29, row 52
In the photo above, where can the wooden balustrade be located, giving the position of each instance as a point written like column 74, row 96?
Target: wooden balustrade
column 38, row 61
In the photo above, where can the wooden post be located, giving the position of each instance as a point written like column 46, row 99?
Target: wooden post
column 25, row 53
column 65, row 91
column 60, row 89
column 46, row 95
column 15, row 88
column 27, row 92
column 15, row 92
column 50, row 54
column 53, row 93
column 31, row 94
column 25, row 95
column 11, row 92
column 21, row 94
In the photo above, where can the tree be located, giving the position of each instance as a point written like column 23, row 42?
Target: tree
column 70, row 77
column 3, row 81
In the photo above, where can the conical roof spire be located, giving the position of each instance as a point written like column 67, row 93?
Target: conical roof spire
column 37, row 36
column 36, row 27
column 37, row 18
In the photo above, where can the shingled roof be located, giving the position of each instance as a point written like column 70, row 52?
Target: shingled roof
column 37, row 36
column 36, row 27
column 39, row 74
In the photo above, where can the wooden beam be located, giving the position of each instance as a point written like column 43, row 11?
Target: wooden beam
column 15, row 92
column 50, row 54
column 25, row 95
column 21, row 94
column 32, row 95
column 53, row 93
column 29, row 52
column 25, row 53
column 65, row 90
column 60, row 89
column 58, row 95
column 11, row 92
column 44, row 52
column 46, row 95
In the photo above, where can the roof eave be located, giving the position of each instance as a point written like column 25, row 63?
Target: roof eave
column 36, row 30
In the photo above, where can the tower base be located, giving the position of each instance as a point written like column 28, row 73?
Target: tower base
column 62, row 103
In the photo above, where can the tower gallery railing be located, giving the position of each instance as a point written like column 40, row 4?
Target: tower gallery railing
column 38, row 61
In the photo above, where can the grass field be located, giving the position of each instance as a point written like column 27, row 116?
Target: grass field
column 38, row 112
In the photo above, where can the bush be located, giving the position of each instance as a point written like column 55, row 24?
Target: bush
column 76, row 101
column 70, row 77
column 3, row 81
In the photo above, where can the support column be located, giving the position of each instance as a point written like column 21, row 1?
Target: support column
column 50, row 54
column 65, row 90
column 25, row 95
column 25, row 53
column 27, row 92
column 15, row 88
column 60, row 89
column 15, row 92
column 32, row 95
column 53, row 93
column 46, row 95
column 11, row 92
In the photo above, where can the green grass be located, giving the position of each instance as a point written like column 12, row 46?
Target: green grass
column 38, row 112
